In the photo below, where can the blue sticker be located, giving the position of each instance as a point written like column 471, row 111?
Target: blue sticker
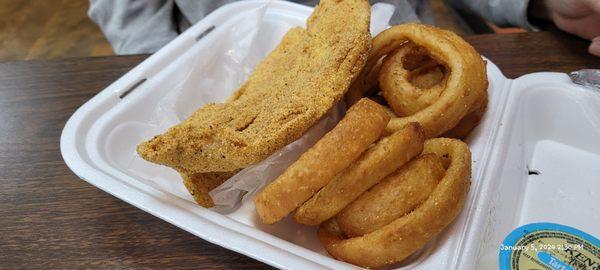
column 549, row 246
column 553, row 262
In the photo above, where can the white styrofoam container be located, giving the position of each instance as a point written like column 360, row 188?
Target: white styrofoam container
column 539, row 122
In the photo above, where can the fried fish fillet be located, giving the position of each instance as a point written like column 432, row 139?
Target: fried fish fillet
column 288, row 92
column 199, row 184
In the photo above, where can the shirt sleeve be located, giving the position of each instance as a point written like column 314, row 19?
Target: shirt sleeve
column 135, row 26
column 500, row 12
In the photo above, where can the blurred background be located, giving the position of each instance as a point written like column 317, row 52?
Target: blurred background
column 42, row 29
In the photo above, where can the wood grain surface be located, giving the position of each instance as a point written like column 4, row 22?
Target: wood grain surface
column 38, row 29
column 51, row 219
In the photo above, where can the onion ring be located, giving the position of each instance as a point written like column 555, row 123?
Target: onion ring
column 395, row 196
column 469, row 122
column 464, row 87
column 400, row 238
column 389, row 154
column 362, row 125
column 410, row 80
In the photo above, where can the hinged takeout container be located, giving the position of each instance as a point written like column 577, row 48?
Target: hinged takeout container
column 536, row 154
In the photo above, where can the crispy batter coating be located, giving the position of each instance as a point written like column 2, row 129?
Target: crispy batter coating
column 410, row 80
column 395, row 196
column 199, row 184
column 389, row 154
column 403, row 236
column 469, row 122
column 463, row 90
column 362, row 125
column 287, row 93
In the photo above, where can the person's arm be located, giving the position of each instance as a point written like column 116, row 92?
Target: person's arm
column 578, row 17
column 135, row 26
column 500, row 12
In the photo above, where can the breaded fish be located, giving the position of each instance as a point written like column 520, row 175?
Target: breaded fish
column 199, row 184
column 288, row 92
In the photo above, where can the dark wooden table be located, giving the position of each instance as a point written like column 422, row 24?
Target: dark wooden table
column 49, row 218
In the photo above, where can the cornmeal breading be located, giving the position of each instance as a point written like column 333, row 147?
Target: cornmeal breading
column 287, row 93
column 199, row 184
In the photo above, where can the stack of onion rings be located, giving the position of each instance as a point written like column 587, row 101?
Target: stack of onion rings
column 362, row 125
column 405, row 190
column 389, row 154
column 376, row 205
column 427, row 75
column 404, row 235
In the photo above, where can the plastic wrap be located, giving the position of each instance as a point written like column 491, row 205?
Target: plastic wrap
column 588, row 100
column 587, row 77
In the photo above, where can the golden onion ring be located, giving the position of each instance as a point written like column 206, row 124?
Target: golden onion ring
column 402, row 237
column 464, row 86
column 389, row 154
column 395, row 196
column 362, row 125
